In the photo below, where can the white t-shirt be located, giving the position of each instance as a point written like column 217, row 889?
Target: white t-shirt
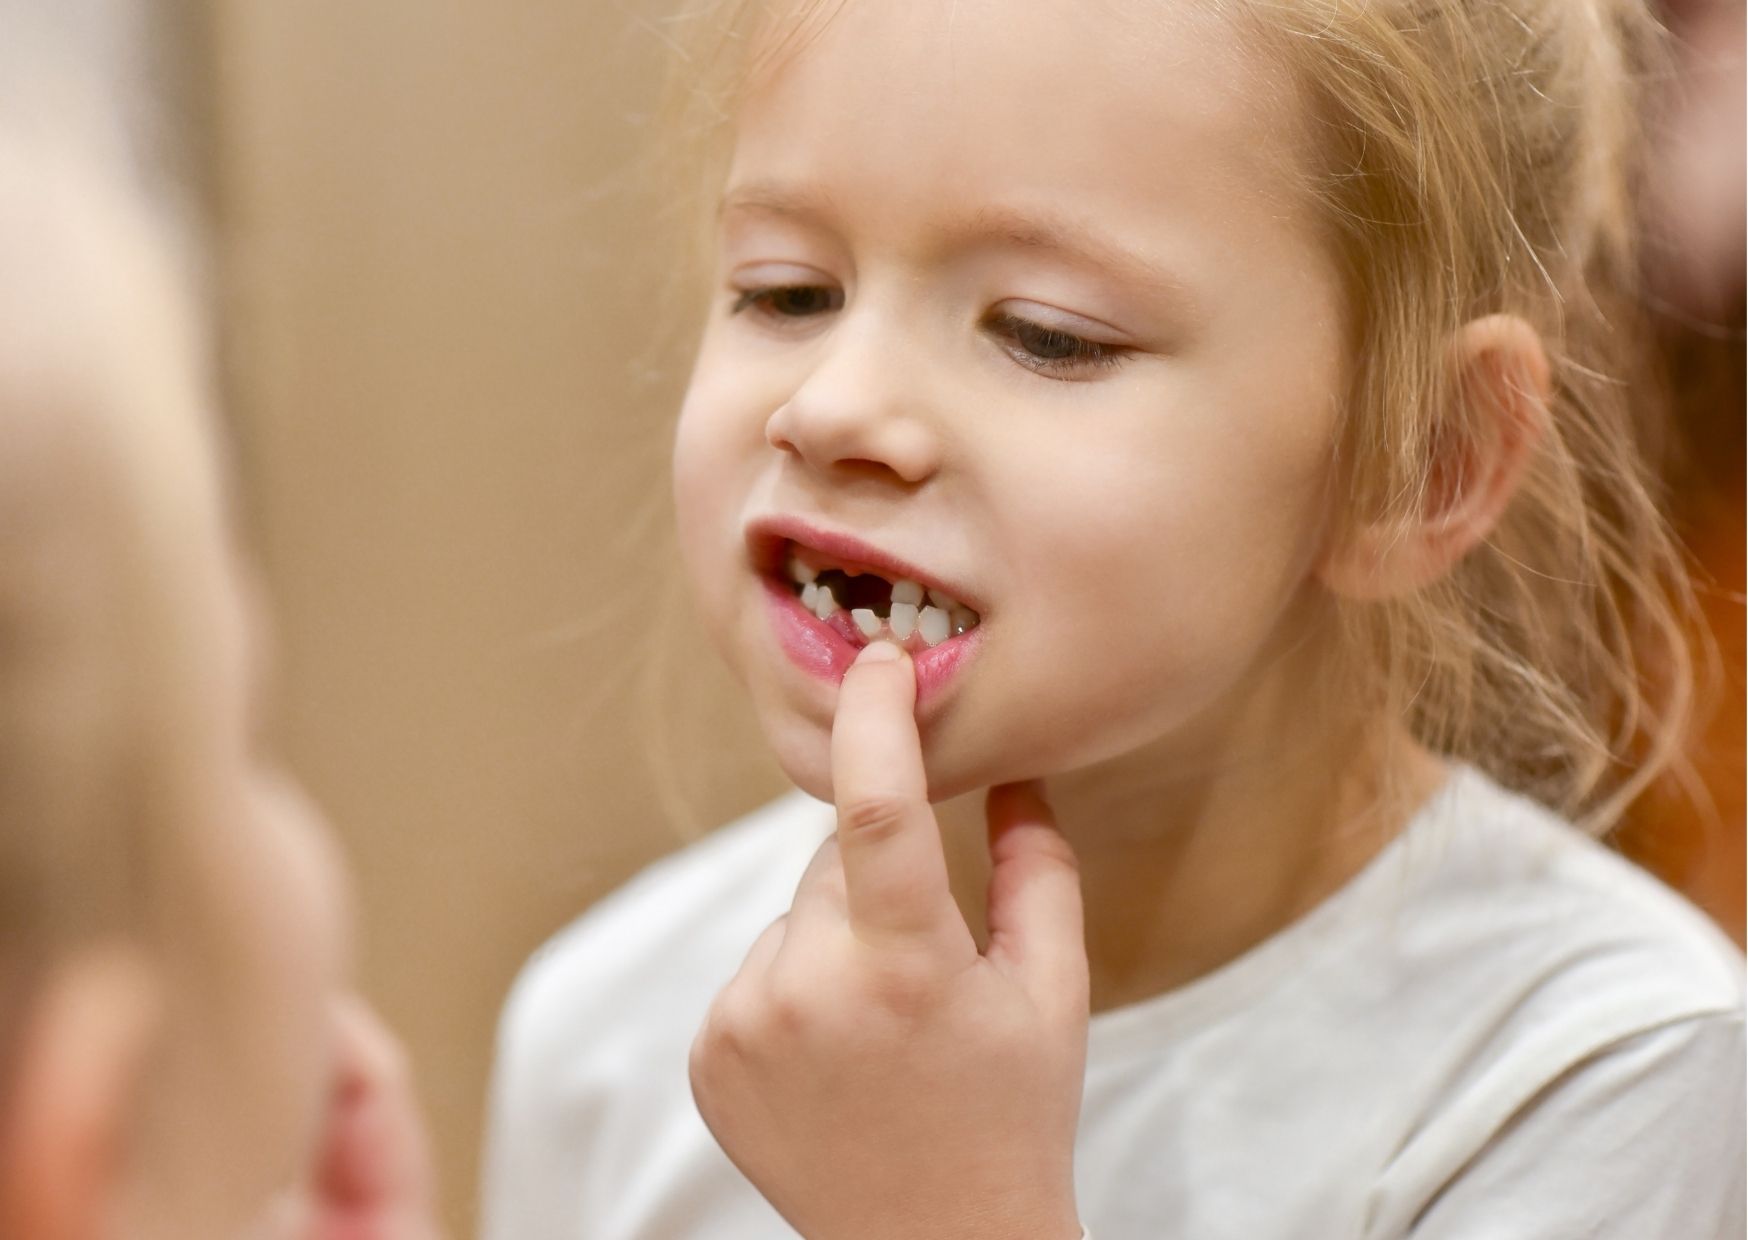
column 1498, row 1030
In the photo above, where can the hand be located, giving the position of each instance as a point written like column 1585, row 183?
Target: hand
column 867, row 1069
column 371, row 1178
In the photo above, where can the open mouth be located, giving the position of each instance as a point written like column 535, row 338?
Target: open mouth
column 865, row 606
column 831, row 594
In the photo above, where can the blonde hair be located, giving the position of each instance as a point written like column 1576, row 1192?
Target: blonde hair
column 1484, row 158
column 1470, row 158
column 111, row 550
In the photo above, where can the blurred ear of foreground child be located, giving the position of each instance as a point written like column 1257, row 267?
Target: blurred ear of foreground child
column 177, row 1060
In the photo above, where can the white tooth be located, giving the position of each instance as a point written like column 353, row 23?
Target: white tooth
column 798, row 571
column 907, row 592
column 826, row 603
column 932, row 624
column 944, row 601
column 964, row 619
column 810, row 596
column 866, row 620
column 903, row 620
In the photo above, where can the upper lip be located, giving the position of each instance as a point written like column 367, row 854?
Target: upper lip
column 769, row 537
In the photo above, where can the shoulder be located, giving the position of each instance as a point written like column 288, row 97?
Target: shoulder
column 665, row 940
column 1574, row 1027
column 1643, row 1136
column 1506, row 883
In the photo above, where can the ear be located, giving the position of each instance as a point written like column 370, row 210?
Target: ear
column 72, row 1089
column 1480, row 446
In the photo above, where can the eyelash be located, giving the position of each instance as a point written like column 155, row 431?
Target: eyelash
column 1063, row 351
column 765, row 299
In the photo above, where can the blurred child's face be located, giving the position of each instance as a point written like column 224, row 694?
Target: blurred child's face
column 99, row 389
column 1023, row 298
column 281, row 887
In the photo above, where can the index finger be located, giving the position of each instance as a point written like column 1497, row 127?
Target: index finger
column 895, row 871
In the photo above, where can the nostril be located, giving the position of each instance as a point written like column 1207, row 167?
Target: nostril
column 864, row 440
column 775, row 436
column 783, row 429
column 862, row 467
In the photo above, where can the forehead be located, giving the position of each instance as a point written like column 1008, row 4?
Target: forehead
column 1123, row 112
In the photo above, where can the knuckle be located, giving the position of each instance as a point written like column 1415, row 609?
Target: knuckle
column 789, row 1009
column 873, row 815
column 698, row 1060
column 745, row 1025
column 727, row 1032
column 701, row 1074
column 1053, row 847
column 1037, row 844
column 907, row 989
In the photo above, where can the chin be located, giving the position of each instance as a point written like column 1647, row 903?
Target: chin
column 795, row 715
column 802, row 748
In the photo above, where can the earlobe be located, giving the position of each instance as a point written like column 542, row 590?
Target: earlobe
column 72, row 1090
column 1477, row 452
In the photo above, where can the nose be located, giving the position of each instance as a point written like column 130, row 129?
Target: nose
column 857, row 412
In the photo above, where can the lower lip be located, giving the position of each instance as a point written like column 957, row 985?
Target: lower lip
column 821, row 651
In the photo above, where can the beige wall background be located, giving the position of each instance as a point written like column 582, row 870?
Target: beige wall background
column 439, row 292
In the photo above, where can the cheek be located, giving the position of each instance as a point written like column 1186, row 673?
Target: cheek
column 1166, row 570
column 697, row 480
column 713, row 445
column 1166, row 529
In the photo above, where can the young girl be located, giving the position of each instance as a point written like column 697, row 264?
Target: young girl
column 177, row 1057
column 1215, row 412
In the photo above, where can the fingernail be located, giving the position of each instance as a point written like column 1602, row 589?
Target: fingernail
column 879, row 652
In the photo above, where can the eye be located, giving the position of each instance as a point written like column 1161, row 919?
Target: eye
column 789, row 301
column 1050, row 350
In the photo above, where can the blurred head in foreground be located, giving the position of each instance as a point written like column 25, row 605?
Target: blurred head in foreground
column 170, row 916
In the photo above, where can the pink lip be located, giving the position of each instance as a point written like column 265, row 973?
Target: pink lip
column 825, row 649
column 821, row 650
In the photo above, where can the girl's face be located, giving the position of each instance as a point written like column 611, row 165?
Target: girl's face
column 1023, row 299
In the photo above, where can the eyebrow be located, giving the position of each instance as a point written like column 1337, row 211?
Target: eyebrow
column 773, row 198
column 1076, row 241
column 1042, row 231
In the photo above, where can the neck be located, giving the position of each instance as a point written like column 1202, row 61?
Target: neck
column 1190, row 858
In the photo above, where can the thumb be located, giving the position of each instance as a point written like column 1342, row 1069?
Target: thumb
column 1037, row 931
